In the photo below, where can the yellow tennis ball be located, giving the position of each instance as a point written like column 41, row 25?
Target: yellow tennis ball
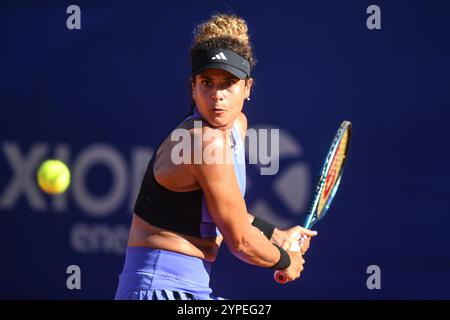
column 53, row 176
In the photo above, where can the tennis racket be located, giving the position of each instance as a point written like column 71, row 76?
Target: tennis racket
column 326, row 187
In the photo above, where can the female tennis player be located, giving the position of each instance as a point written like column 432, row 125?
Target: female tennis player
column 185, row 210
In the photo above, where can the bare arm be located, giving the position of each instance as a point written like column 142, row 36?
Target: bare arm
column 277, row 236
column 227, row 207
column 242, row 124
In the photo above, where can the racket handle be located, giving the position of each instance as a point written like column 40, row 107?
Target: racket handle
column 278, row 275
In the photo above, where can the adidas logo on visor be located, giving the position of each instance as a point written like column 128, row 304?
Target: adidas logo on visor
column 219, row 56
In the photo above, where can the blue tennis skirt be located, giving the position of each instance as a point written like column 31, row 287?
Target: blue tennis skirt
column 155, row 274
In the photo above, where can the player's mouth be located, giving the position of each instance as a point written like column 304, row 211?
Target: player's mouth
column 218, row 110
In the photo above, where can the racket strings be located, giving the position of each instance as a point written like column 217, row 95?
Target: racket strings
column 336, row 166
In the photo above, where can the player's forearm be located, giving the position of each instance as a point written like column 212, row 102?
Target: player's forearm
column 255, row 249
column 277, row 233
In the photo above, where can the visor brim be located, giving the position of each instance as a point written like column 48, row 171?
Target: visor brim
column 234, row 71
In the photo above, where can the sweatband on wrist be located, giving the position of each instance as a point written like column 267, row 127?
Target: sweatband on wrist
column 285, row 260
column 266, row 227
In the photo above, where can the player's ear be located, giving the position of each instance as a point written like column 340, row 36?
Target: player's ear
column 248, row 87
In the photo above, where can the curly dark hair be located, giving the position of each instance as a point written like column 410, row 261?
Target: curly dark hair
column 226, row 32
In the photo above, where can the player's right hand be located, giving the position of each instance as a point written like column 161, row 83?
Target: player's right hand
column 296, row 267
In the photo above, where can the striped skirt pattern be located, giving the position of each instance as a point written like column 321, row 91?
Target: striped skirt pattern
column 155, row 274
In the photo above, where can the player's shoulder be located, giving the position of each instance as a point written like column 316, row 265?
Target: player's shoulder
column 241, row 124
column 241, row 121
column 209, row 135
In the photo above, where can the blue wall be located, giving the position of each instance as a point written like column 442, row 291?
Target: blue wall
column 102, row 98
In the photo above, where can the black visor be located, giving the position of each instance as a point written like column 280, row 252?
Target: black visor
column 221, row 59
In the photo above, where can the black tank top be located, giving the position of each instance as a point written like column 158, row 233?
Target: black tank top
column 183, row 212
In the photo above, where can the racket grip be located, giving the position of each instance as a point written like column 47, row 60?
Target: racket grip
column 278, row 275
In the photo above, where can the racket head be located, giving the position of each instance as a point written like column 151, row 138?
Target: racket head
column 330, row 175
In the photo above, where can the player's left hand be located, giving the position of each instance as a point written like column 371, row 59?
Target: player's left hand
column 293, row 237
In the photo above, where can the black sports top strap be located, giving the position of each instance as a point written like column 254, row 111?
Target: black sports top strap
column 176, row 211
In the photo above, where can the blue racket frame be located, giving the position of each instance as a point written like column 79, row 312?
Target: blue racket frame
column 311, row 216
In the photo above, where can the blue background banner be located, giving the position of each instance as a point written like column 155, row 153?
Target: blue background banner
column 102, row 97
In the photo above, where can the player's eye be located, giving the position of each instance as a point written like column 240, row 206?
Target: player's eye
column 206, row 83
